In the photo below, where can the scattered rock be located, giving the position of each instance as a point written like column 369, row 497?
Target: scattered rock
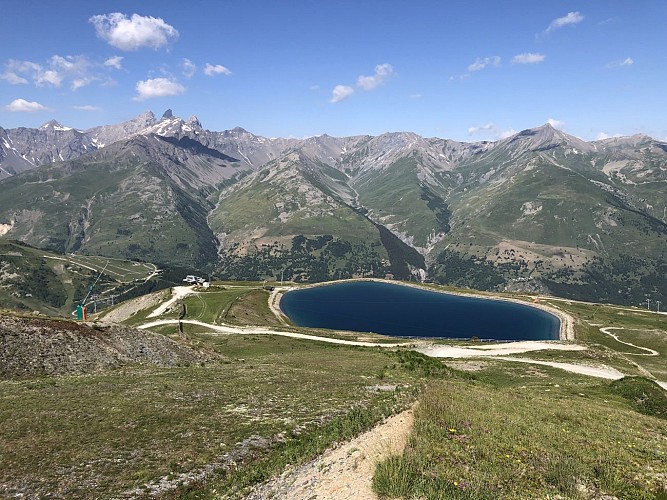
column 32, row 346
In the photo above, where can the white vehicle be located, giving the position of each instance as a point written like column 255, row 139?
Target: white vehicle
column 191, row 278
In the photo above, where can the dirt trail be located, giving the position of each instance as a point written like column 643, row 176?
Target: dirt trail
column 600, row 371
column 649, row 352
column 449, row 351
column 178, row 293
column 229, row 330
column 126, row 309
column 344, row 472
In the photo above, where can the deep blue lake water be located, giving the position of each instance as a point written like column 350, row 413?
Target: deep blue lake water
column 402, row 311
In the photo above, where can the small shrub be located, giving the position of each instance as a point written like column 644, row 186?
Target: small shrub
column 644, row 395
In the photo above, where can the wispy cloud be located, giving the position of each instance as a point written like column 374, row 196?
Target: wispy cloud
column 88, row 107
column 157, row 87
column 18, row 72
column 480, row 128
column 603, row 135
column 481, row 63
column 77, row 70
column 23, row 106
column 491, row 130
column 381, row 74
column 620, row 63
column 560, row 125
column 114, row 62
column 341, row 92
column 217, row 69
column 189, row 68
column 528, row 58
column 570, row 19
column 135, row 32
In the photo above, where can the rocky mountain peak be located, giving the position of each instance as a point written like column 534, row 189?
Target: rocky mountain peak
column 167, row 114
column 547, row 137
column 194, row 122
column 146, row 116
column 54, row 125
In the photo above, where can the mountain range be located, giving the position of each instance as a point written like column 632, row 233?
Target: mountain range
column 540, row 211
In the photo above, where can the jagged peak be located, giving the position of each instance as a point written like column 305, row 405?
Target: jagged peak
column 167, row 114
column 146, row 115
column 546, row 137
column 237, row 132
column 193, row 121
column 54, row 125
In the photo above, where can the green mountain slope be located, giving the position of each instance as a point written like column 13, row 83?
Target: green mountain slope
column 294, row 218
column 131, row 200
column 541, row 211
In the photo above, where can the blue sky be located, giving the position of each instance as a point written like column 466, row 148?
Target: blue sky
column 457, row 69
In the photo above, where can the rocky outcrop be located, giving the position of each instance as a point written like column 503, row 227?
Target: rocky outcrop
column 38, row 347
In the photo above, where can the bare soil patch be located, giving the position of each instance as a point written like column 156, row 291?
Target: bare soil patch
column 345, row 471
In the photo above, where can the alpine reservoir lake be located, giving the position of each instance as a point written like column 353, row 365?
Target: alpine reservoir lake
column 404, row 311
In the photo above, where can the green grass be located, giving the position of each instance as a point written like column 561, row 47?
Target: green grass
column 212, row 306
column 639, row 327
column 644, row 395
column 124, row 271
column 113, row 431
column 519, row 431
column 473, row 440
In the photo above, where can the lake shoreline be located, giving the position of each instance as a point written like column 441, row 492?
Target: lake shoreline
column 566, row 322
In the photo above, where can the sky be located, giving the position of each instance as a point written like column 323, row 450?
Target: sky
column 463, row 70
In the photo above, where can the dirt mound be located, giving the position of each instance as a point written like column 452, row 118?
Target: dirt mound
column 38, row 346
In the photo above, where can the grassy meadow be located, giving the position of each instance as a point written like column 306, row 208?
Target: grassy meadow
column 484, row 427
column 109, row 433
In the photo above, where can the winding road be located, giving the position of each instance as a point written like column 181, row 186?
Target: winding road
column 500, row 351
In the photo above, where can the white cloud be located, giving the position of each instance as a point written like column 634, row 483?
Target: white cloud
column 603, row 135
column 189, row 68
column 157, row 87
column 491, row 131
column 17, row 71
column 114, row 62
column 474, row 130
column 133, row 33
column 13, row 78
column 528, row 58
column 88, row 107
column 415, row 96
column 218, row 69
column 314, row 87
column 481, row 63
column 50, row 77
column 560, row 125
column 570, row 18
column 78, row 70
column 620, row 63
column 504, row 134
column 341, row 92
column 382, row 73
column 23, row 106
